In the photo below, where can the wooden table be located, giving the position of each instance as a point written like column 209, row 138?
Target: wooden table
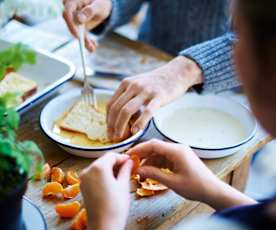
column 158, row 212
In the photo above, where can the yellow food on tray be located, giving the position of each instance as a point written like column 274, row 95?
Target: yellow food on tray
column 15, row 83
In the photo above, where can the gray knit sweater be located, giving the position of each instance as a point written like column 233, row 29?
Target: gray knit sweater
column 175, row 25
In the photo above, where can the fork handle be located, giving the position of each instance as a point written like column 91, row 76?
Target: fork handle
column 82, row 49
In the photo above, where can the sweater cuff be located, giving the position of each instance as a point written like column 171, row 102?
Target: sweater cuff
column 215, row 58
column 110, row 22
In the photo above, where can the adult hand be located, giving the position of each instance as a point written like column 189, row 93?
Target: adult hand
column 191, row 178
column 105, row 188
column 88, row 12
column 140, row 96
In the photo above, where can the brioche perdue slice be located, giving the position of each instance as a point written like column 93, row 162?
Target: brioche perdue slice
column 84, row 118
column 15, row 83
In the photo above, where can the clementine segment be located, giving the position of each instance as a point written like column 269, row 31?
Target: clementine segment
column 68, row 210
column 57, row 175
column 136, row 163
column 52, row 189
column 71, row 191
column 46, row 171
column 80, row 221
column 72, row 177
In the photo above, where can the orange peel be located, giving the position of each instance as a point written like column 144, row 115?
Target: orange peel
column 144, row 193
column 153, row 185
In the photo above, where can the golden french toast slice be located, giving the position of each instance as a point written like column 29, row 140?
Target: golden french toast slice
column 15, row 83
column 84, row 118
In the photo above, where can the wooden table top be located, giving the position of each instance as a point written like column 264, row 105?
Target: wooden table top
column 160, row 211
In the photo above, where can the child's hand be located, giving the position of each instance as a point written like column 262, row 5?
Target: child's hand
column 191, row 178
column 106, row 195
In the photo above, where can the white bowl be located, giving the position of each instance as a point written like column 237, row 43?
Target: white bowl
column 56, row 108
column 235, row 109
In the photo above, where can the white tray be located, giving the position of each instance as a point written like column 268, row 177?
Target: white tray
column 49, row 72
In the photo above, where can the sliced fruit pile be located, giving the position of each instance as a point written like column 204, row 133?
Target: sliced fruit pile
column 64, row 186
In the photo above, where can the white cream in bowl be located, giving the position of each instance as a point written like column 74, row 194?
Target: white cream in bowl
column 213, row 125
column 205, row 127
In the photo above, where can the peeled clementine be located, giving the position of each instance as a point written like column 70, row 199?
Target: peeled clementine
column 72, row 177
column 80, row 221
column 57, row 175
column 46, row 171
column 52, row 189
column 71, row 191
column 68, row 210
column 136, row 163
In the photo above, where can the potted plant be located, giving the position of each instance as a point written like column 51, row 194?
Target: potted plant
column 18, row 159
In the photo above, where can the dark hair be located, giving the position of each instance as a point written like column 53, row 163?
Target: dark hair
column 260, row 16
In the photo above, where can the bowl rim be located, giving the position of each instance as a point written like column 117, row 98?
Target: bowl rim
column 121, row 144
column 249, row 137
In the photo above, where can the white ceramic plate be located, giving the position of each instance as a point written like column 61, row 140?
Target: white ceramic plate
column 49, row 73
column 220, row 103
column 32, row 216
column 56, row 108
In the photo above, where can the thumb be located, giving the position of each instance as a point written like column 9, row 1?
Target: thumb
column 155, row 173
column 86, row 14
column 125, row 171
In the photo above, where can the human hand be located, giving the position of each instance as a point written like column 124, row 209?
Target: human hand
column 140, row 96
column 105, row 188
column 88, row 12
column 190, row 179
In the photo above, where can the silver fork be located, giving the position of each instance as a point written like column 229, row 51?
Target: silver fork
column 87, row 94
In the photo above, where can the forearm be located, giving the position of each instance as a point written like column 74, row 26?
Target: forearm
column 224, row 196
column 215, row 59
column 107, row 225
column 182, row 70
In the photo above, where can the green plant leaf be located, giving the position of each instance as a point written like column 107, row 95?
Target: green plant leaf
column 9, row 100
column 6, row 147
column 32, row 152
column 12, row 118
column 14, row 57
column 23, row 157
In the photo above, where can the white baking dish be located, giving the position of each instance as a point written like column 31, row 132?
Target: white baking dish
column 49, row 72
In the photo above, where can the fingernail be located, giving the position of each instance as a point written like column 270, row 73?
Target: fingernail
column 135, row 130
column 82, row 17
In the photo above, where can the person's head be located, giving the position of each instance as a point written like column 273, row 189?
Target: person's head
column 255, row 57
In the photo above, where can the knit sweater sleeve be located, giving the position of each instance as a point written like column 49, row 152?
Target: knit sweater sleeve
column 215, row 58
column 121, row 13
